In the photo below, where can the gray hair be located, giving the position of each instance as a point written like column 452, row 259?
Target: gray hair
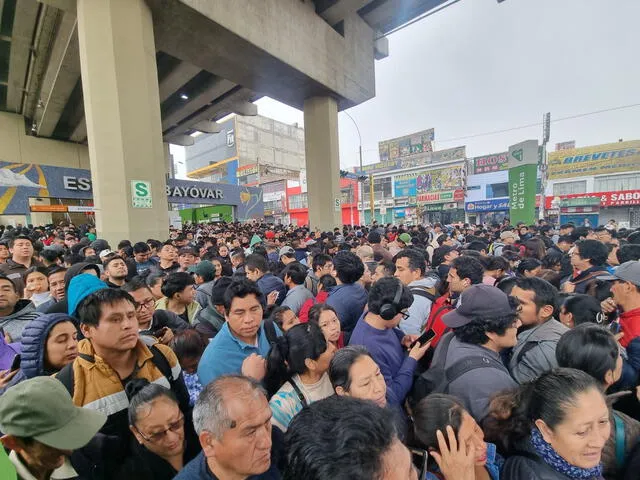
column 210, row 412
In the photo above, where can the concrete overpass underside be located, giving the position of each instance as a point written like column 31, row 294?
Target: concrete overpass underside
column 210, row 58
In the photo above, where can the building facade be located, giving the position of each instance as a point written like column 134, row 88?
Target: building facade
column 252, row 152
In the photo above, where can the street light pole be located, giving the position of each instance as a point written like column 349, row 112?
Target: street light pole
column 361, row 210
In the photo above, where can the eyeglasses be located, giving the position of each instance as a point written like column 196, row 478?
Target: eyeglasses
column 160, row 436
column 146, row 304
column 405, row 315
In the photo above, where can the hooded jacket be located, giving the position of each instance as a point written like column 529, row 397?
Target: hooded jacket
column 268, row 283
column 13, row 325
column 34, row 340
column 349, row 301
column 535, row 352
column 192, row 309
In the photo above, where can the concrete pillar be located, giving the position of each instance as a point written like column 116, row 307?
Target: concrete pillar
column 122, row 108
column 323, row 162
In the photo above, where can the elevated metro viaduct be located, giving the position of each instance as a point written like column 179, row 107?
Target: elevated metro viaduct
column 124, row 76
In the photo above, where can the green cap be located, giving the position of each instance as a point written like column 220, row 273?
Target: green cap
column 405, row 238
column 41, row 408
column 205, row 269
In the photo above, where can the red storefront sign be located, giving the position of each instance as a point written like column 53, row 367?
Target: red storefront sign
column 621, row 198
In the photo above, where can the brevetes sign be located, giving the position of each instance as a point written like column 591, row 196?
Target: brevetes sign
column 596, row 160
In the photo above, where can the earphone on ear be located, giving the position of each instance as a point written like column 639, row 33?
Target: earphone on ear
column 388, row 311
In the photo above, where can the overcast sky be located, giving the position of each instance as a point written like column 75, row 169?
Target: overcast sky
column 479, row 66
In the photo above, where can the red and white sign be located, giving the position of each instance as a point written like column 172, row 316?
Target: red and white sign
column 622, row 198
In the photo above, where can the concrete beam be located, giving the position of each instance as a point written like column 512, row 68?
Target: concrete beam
column 61, row 76
column 46, row 31
column 279, row 48
column 207, row 127
column 246, row 108
column 24, row 24
column 181, row 140
column 381, row 48
column 341, row 9
column 64, row 5
column 177, row 78
column 79, row 134
column 218, row 109
column 393, row 13
column 218, row 87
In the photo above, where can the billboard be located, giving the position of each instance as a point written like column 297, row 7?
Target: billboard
column 492, row 205
column 491, row 163
column 570, row 145
column 622, row 198
column 20, row 181
column 420, row 142
column 595, row 160
column 426, row 181
column 425, row 158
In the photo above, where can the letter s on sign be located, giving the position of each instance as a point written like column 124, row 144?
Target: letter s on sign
column 141, row 190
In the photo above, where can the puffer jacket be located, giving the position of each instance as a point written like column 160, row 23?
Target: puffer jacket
column 33, row 346
column 13, row 325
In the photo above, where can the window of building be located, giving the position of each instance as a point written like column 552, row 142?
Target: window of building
column 498, row 190
column 275, row 205
column 570, row 188
column 612, row 183
column 347, row 195
column 297, row 201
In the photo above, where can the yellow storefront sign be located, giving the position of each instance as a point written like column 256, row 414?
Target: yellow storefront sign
column 596, row 160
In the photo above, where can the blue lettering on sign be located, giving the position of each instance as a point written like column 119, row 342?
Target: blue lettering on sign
column 493, row 205
column 600, row 155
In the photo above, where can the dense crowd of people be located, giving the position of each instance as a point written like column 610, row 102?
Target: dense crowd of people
column 234, row 351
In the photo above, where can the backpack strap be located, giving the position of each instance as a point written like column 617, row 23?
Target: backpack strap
column 160, row 361
column 298, row 392
column 421, row 292
column 620, row 440
column 465, row 365
column 442, row 349
column 66, row 377
column 525, row 349
column 270, row 331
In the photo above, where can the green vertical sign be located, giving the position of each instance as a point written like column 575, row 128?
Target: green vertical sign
column 523, row 160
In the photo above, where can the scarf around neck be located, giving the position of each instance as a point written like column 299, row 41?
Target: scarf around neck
column 559, row 464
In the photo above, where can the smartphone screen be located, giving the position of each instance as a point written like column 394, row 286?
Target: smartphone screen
column 15, row 365
column 425, row 337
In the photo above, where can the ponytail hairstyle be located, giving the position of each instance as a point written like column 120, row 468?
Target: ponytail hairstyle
column 142, row 394
column 513, row 413
column 289, row 352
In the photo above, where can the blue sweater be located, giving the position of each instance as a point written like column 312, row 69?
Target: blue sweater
column 197, row 469
column 349, row 301
column 387, row 351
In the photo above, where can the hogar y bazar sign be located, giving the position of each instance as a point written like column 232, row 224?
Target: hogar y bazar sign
column 622, row 198
column 596, row 160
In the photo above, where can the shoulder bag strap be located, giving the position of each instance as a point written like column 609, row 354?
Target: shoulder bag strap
column 299, row 393
column 620, row 440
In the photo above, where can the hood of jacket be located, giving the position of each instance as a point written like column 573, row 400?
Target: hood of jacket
column 426, row 282
column 34, row 339
column 23, row 306
column 551, row 330
column 77, row 269
column 80, row 287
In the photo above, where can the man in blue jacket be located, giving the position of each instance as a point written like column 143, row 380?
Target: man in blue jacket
column 257, row 271
column 348, row 297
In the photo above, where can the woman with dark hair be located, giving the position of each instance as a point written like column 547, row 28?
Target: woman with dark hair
column 354, row 373
column 164, row 440
column 554, row 427
column 534, row 248
column 578, row 309
column 326, row 317
column 434, row 414
column 296, row 375
column 529, row 267
column 180, row 296
column 189, row 345
column 594, row 350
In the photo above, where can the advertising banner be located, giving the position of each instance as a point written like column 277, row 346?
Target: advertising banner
column 622, row 198
column 405, row 185
column 424, row 158
column 19, row 182
column 491, row 163
column 440, row 179
column 413, row 144
column 596, row 160
column 570, row 145
column 493, row 205
column 441, row 197
column 523, row 160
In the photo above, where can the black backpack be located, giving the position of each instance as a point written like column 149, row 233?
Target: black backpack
column 437, row 379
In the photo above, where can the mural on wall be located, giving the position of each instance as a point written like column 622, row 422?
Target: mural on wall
column 19, row 182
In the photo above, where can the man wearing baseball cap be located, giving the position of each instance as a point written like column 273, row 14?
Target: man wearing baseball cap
column 625, row 292
column 42, row 427
column 484, row 324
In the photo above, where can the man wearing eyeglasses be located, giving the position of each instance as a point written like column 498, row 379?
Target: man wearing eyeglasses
column 161, row 324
